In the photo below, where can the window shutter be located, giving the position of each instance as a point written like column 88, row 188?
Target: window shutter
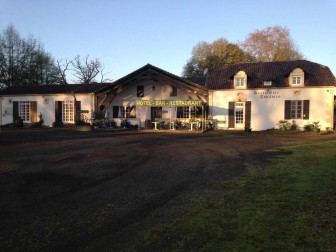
column 231, row 114
column 133, row 112
column 247, row 114
column 179, row 113
column 15, row 110
column 287, row 109
column 58, row 111
column 115, row 111
column 78, row 111
column 33, row 111
column 306, row 109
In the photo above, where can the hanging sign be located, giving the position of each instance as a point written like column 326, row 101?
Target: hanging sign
column 172, row 103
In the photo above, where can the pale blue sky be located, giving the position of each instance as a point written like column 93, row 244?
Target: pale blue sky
column 127, row 34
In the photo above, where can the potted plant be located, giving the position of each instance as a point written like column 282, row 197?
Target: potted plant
column 316, row 126
column 284, row 125
column 83, row 125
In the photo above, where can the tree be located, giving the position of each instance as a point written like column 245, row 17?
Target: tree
column 213, row 55
column 271, row 44
column 87, row 69
column 62, row 68
column 24, row 61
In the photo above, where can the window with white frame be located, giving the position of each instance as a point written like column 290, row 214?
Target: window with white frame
column 296, row 80
column 68, row 111
column 239, row 82
column 128, row 111
column 296, row 110
column 24, row 108
column 296, row 77
column 125, row 112
column 240, row 79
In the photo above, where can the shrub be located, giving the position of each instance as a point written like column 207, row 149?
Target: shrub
column 125, row 124
column 18, row 122
column 284, row 125
column 58, row 124
column 312, row 127
column 294, row 126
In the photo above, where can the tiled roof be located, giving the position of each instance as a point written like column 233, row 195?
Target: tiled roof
column 277, row 72
column 55, row 89
column 198, row 80
column 150, row 67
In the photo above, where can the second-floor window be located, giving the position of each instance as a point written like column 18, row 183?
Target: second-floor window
column 173, row 91
column 296, row 80
column 140, row 91
column 240, row 82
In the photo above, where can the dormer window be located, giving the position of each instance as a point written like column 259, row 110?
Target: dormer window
column 296, row 78
column 240, row 80
column 267, row 83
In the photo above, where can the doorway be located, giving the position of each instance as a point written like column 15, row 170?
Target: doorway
column 239, row 115
column 156, row 112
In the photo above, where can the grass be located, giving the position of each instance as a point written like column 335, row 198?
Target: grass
column 287, row 203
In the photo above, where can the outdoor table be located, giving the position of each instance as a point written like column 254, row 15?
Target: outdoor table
column 155, row 125
column 192, row 124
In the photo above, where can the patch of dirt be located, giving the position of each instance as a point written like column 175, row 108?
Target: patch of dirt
column 67, row 190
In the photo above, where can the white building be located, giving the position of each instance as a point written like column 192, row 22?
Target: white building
column 240, row 96
column 52, row 102
column 259, row 95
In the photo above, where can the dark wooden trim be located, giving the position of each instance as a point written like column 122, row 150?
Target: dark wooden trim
column 33, row 111
column 58, row 111
column 231, row 114
column 15, row 110
column 287, row 109
column 247, row 115
column 306, row 104
column 78, row 111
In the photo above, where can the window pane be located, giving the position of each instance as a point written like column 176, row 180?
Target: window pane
column 239, row 82
column 68, row 111
column 140, row 91
column 24, row 111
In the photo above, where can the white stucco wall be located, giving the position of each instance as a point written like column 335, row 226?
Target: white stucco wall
column 161, row 92
column 45, row 105
column 266, row 112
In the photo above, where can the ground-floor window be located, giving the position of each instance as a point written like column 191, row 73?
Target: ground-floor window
column 127, row 111
column 68, row 111
column 24, row 109
column 297, row 109
column 187, row 112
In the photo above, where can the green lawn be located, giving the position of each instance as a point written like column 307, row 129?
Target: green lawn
column 284, row 203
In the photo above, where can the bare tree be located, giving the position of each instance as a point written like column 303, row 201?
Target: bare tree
column 87, row 69
column 24, row 61
column 271, row 44
column 103, row 74
column 62, row 68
